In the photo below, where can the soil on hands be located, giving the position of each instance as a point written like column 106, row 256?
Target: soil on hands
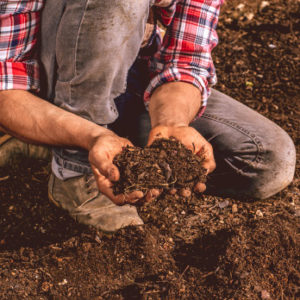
column 167, row 164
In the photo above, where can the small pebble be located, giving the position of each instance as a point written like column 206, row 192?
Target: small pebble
column 185, row 193
column 249, row 16
column 86, row 247
column 257, row 288
column 64, row 282
column 297, row 212
column 259, row 213
column 244, row 275
column 98, row 239
column 265, row 295
column 249, row 84
column 224, row 204
column 264, row 4
column 234, row 208
column 42, row 230
column 241, row 6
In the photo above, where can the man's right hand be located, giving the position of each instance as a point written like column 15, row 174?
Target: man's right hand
column 37, row 121
column 101, row 156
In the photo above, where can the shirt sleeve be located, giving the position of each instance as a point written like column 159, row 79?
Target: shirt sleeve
column 185, row 54
column 19, row 27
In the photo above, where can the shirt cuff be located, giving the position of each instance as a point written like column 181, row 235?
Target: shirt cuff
column 175, row 74
column 19, row 75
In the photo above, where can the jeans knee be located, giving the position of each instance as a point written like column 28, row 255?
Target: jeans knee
column 278, row 166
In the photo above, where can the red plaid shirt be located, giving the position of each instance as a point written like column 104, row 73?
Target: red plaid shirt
column 184, row 53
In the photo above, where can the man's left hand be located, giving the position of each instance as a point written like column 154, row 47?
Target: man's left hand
column 193, row 140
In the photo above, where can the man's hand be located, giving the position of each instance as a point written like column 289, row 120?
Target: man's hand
column 193, row 140
column 101, row 156
column 172, row 108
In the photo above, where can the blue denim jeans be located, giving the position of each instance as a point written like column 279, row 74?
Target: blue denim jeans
column 89, row 50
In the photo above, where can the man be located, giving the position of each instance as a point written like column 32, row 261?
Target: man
column 94, row 55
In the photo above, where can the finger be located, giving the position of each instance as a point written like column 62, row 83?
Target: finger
column 134, row 196
column 194, row 147
column 209, row 160
column 200, row 187
column 105, row 187
column 157, row 132
column 109, row 170
column 130, row 198
column 185, row 192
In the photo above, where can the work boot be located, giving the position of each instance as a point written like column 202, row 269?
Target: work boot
column 81, row 198
column 12, row 148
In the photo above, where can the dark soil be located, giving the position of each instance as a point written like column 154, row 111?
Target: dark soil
column 200, row 247
column 167, row 164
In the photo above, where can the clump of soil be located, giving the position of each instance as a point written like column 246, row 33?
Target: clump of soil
column 166, row 164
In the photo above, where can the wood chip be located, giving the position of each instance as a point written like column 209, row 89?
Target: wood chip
column 4, row 178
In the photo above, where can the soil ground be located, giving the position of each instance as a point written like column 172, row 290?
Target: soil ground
column 208, row 248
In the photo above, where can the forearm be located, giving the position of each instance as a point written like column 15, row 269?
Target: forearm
column 37, row 121
column 174, row 104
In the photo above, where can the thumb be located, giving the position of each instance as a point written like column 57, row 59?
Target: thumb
column 157, row 132
column 107, row 169
column 209, row 162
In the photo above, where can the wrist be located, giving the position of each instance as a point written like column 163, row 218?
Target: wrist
column 174, row 104
column 96, row 133
column 169, row 123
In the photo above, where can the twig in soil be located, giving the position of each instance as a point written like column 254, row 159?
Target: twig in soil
column 152, row 291
column 105, row 293
column 146, row 187
column 210, row 273
column 35, row 179
column 291, row 23
column 207, row 274
column 184, row 271
column 4, row 178
column 4, row 259
column 132, row 281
